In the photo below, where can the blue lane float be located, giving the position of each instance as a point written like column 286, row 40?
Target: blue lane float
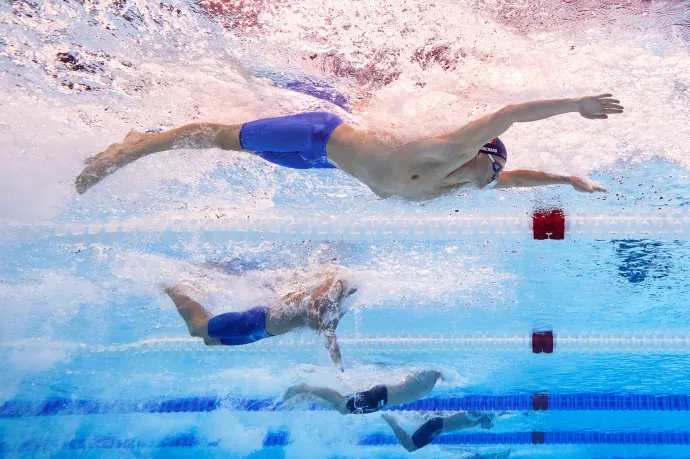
column 518, row 402
column 282, row 438
column 557, row 437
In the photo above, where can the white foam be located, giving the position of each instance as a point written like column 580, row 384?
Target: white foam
column 236, row 437
column 146, row 77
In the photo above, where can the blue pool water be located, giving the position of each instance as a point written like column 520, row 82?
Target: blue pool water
column 101, row 363
column 96, row 362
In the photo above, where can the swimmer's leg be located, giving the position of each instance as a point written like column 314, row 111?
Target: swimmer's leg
column 437, row 425
column 413, row 388
column 404, row 438
column 136, row 145
column 467, row 420
column 333, row 398
column 194, row 315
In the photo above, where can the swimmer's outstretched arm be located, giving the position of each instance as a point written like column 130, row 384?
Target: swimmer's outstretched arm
column 467, row 420
column 333, row 398
column 333, row 348
column 472, row 136
column 528, row 178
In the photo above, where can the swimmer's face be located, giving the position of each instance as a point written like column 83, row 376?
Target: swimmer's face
column 489, row 167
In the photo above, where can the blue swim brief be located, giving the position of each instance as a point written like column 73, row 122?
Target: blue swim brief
column 295, row 141
column 236, row 328
column 368, row 401
column 427, row 432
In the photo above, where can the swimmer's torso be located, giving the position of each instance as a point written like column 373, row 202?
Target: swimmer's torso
column 417, row 172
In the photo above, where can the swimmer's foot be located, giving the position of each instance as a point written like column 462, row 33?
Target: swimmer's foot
column 111, row 159
column 194, row 315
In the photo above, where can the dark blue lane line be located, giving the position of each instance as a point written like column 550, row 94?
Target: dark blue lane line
column 557, row 437
column 520, row 402
column 282, row 438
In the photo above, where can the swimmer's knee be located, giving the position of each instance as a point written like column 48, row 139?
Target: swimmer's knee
column 212, row 342
column 228, row 138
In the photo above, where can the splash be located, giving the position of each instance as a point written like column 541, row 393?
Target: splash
column 78, row 75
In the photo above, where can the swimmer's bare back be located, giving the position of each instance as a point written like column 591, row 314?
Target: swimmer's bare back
column 420, row 170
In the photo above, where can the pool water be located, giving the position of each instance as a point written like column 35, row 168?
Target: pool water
column 90, row 328
column 96, row 360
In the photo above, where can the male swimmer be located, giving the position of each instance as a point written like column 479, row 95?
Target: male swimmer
column 381, row 396
column 470, row 156
column 319, row 309
column 438, row 425
column 378, row 397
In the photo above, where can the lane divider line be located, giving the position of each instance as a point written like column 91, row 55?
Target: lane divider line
column 539, row 342
column 17, row 408
column 551, row 224
column 282, row 438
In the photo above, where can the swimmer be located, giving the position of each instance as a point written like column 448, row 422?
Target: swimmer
column 378, row 397
column 319, row 309
column 470, row 156
column 438, row 425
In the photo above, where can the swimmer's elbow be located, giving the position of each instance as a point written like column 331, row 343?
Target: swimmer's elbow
column 504, row 118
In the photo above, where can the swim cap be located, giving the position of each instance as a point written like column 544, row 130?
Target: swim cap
column 496, row 148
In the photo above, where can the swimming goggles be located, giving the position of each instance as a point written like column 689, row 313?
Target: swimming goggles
column 497, row 170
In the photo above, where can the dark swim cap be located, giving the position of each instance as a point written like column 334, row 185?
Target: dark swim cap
column 496, row 148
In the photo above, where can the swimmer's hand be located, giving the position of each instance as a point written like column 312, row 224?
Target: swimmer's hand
column 598, row 107
column 585, row 185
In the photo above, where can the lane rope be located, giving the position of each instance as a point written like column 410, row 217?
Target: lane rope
column 515, row 402
column 537, row 342
column 673, row 225
column 282, row 438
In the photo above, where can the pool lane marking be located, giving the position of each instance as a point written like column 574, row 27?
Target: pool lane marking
column 17, row 408
column 548, row 224
column 542, row 342
column 552, row 224
column 283, row 438
column 536, row 342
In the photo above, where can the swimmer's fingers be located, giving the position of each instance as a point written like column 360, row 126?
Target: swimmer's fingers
column 612, row 111
column 613, row 105
column 594, row 117
column 609, row 101
column 601, row 96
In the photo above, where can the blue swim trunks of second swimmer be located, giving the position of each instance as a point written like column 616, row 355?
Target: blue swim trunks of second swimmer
column 295, row 141
column 236, row 328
